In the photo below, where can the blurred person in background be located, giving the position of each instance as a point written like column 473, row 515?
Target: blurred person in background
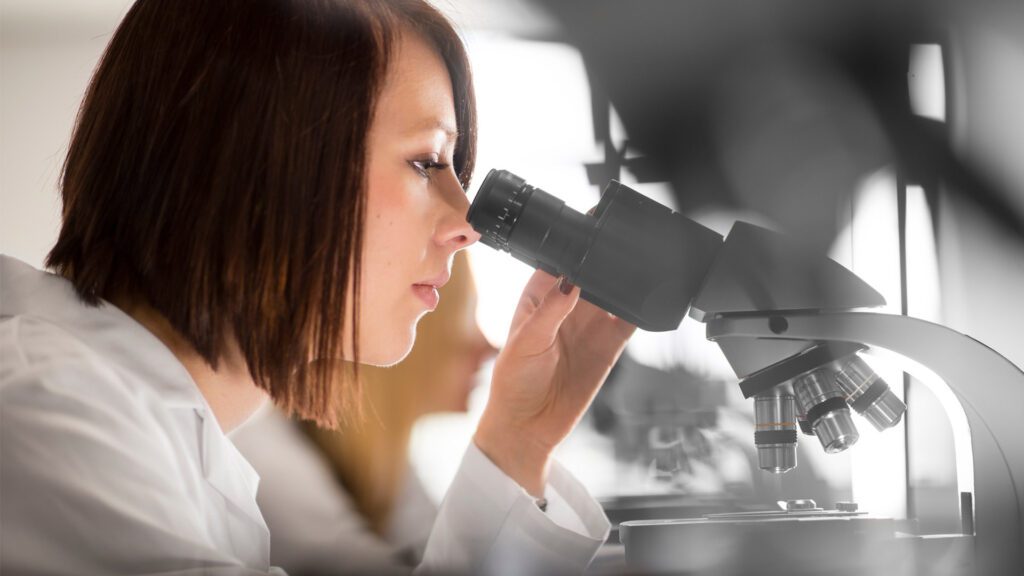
column 347, row 501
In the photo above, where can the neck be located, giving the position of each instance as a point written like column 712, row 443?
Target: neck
column 387, row 443
column 230, row 390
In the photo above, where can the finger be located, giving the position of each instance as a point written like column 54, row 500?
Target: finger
column 538, row 332
column 599, row 318
column 586, row 314
column 617, row 333
column 536, row 288
column 623, row 328
column 535, row 291
column 611, row 324
column 597, row 355
column 602, row 329
column 612, row 332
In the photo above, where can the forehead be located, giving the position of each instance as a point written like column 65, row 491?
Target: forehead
column 417, row 92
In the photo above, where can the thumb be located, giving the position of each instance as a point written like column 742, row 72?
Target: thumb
column 538, row 332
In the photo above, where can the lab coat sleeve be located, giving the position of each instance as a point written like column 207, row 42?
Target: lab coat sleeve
column 488, row 524
column 85, row 482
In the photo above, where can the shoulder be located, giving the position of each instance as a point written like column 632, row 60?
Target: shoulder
column 43, row 362
column 30, row 345
column 61, row 397
column 83, row 454
column 60, row 394
column 44, row 367
column 67, row 412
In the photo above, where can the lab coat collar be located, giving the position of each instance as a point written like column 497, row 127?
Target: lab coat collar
column 227, row 470
column 139, row 355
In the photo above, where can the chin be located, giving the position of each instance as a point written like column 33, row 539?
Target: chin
column 388, row 349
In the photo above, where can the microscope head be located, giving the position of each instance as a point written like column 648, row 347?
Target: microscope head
column 801, row 384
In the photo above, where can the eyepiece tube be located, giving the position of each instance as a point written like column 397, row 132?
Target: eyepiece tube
column 822, row 404
column 775, row 431
column 633, row 257
column 498, row 206
column 869, row 395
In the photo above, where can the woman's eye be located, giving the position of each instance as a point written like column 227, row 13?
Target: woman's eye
column 424, row 167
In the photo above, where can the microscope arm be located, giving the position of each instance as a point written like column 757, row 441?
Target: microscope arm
column 988, row 386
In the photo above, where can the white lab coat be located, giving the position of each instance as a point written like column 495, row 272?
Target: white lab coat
column 314, row 525
column 111, row 462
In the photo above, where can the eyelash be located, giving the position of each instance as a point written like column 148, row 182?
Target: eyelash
column 423, row 167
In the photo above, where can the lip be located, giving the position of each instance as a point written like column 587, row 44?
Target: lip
column 427, row 289
column 428, row 294
column 437, row 281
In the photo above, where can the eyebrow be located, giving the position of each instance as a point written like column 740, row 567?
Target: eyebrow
column 437, row 124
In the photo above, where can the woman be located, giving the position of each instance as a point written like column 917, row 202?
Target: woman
column 254, row 189
column 350, row 494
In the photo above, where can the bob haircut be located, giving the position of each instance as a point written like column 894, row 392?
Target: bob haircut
column 216, row 172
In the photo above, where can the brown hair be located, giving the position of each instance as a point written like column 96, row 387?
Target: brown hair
column 217, row 172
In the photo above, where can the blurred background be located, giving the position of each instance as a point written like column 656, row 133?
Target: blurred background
column 770, row 112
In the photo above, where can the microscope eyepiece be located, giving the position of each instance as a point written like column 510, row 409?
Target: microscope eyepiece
column 632, row 257
column 497, row 207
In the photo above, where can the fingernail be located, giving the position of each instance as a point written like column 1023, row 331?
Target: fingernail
column 564, row 286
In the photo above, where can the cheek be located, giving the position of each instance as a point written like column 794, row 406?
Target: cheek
column 382, row 229
column 391, row 255
column 395, row 219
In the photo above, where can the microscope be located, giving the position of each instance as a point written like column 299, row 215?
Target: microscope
column 792, row 325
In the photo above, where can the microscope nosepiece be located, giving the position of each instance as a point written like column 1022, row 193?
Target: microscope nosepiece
column 869, row 395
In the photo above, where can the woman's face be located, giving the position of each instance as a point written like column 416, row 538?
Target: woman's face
column 416, row 208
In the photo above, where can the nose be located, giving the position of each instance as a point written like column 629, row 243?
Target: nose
column 462, row 234
column 455, row 232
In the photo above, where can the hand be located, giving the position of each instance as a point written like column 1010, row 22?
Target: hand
column 557, row 356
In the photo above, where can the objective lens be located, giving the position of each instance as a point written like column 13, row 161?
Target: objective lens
column 775, row 431
column 821, row 402
column 869, row 395
column 633, row 257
